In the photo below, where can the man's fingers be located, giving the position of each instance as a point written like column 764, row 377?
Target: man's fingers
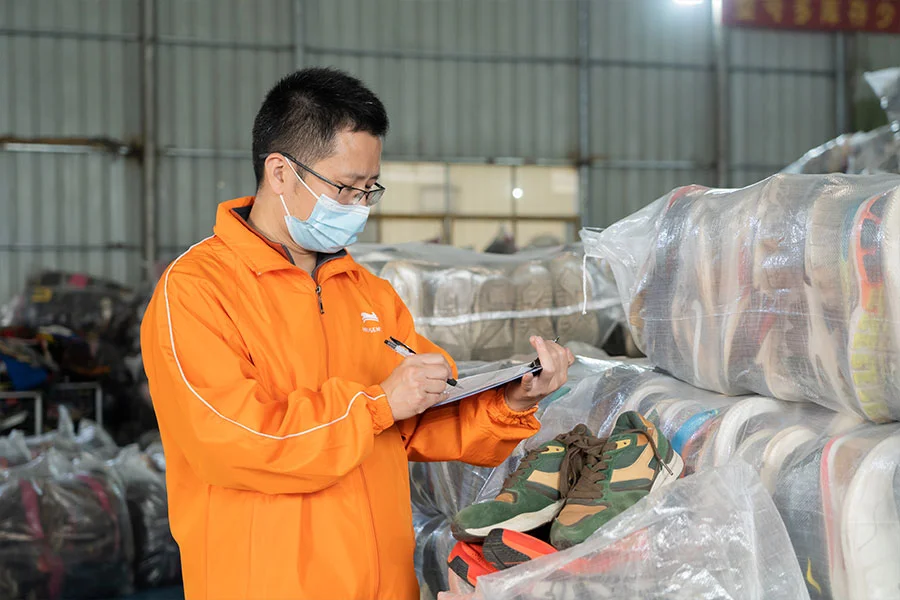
column 433, row 358
column 435, row 386
column 545, row 356
column 437, row 372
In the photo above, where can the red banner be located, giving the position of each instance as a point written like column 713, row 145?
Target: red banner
column 878, row 16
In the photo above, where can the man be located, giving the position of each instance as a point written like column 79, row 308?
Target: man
column 287, row 422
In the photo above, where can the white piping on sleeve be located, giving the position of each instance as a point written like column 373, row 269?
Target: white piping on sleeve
column 210, row 406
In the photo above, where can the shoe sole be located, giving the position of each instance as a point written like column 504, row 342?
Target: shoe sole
column 866, row 342
column 735, row 421
column 469, row 563
column 521, row 523
column 871, row 532
column 504, row 549
column 841, row 458
column 779, row 449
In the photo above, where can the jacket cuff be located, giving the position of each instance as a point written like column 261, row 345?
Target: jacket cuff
column 379, row 409
column 500, row 412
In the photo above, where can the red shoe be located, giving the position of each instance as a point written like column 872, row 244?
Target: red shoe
column 467, row 561
column 504, row 548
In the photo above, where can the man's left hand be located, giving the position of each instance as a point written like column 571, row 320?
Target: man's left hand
column 555, row 363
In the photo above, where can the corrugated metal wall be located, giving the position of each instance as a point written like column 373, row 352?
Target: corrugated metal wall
column 464, row 81
column 69, row 69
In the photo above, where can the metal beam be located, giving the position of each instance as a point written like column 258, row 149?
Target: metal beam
column 148, row 130
column 67, row 146
column 95, row 36
column 722, row 106
column 299, row 34
column 841, row 88
column 584, row 111
column 171, row 40
column 596, row 162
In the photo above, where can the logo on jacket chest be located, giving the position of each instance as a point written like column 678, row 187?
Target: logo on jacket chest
column 370, row 322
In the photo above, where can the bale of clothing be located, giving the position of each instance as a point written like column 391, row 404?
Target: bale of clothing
column 81, row 518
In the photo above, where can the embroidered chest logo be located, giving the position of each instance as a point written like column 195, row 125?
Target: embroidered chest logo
column 370, row 322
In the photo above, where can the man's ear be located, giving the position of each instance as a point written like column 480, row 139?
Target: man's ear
column 275, row 173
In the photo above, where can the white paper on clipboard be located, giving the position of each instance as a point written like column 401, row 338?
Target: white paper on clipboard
column 469, row 386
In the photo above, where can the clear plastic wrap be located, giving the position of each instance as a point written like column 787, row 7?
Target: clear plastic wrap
column 157, row 561
column 13, row 450
column 486, row 306
column 82, row 303
column 716, row 535
column 439, row 490
column 789, row 288
column 865, row 152
column 876, row 151
column 839, row 496
column 886, row 85
column 64, row 531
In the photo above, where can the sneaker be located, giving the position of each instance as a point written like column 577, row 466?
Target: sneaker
column 658, row 288
column 863, row 277
column 492, row 338
column 891, row 255
column 504, row 548
column 871, row 524
column 407, row 279
column 743, row 420
column 568, row 293
column 841, row 459
column 534, row 493
column 534, row 292
column 636, row 460
column 779, row 450
column 468, row 562
column 798, row 496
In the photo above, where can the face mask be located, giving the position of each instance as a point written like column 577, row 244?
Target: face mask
column 331, row 227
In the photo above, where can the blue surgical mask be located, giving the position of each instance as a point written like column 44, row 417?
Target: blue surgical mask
column 331, row 227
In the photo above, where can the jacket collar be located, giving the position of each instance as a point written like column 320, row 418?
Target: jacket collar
column 262, row 255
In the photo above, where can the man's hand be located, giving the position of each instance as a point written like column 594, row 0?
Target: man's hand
column 555, row 363
column 416, row 385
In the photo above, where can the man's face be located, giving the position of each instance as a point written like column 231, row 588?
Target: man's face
column 356, row 162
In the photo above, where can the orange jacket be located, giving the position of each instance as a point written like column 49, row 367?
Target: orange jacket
column 287, row 475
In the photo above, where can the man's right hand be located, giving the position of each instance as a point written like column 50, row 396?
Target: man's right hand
column 417, row 384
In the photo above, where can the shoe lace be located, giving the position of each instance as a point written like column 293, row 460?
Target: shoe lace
column 575, row 442
column 596, row 466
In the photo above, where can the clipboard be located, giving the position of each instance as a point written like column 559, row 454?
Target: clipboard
column 470, row 386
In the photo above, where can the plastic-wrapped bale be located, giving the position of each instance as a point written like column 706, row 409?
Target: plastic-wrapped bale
column 13, row 450
column 157, row 561
column 886, row 85
column 64, row 531
column 716, row 535
column 486, row 306
column 839, row 497
column 876, row 151
column 868, row 152
column 79, row 302
column 789, row 288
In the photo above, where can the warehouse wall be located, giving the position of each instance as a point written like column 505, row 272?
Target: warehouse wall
column 466, row 81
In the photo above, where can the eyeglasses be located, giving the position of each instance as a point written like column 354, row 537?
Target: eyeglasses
column 347, row 194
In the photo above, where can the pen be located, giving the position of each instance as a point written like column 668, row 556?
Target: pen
column 405, row 351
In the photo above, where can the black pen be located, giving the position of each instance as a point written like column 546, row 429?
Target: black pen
column 405, row 351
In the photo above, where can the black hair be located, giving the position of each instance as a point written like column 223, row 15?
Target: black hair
column 304, row 111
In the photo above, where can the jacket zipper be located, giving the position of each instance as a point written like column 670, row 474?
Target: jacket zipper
column 319, row 297
column 362, row 475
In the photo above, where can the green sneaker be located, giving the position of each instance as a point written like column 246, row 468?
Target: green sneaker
column 534, row 493
column 636, row 460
